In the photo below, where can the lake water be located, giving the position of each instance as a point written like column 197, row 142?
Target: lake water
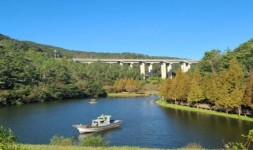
column 145, row 124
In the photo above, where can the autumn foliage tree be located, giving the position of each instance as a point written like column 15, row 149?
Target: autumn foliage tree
column 195, row 92
column 132, row 85
column 127, row 85
column 166, row 89
column 231, row 87
column 209, row 87
column 224, row 89
column 179, row 86
column 175, row 89
column 248, row 95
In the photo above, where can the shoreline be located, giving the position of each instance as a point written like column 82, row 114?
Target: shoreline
column 193, row 109
column 125, row 94
column 55, row 147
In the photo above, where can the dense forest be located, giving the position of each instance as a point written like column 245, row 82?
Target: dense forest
column 31, row 72
column 221, row 81
column 49, row 51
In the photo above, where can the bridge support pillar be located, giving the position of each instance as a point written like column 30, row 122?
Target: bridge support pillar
column 150, row 69
column 131, row 65
column 142, row 68
column 163, row 70
column 185, row 66
column 188, row 66
column 169, row 70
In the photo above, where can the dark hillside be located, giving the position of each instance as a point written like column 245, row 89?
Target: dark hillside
column 48, row 50
column 244, row 54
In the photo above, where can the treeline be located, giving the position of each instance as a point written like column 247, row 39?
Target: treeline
column 50, row 51
column 30, row 76
column 222, row 82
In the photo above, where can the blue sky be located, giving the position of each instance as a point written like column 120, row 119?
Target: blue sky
column 179, row 28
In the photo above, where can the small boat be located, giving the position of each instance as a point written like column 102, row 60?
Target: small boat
column 92, row 101
column 103, row 122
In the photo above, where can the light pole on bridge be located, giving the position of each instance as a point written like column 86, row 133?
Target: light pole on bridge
column 55, row 53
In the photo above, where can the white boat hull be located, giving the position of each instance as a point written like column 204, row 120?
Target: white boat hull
column 88, row 129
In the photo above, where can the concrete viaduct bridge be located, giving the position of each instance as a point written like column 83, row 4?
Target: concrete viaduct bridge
column 166, row 64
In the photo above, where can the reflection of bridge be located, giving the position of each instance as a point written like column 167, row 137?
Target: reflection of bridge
column 166, row 64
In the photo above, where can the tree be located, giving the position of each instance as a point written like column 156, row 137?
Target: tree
column 211, row 62
column 196, row 93
column 132, row 85
column 166, row 89
column 244, row 55
column 179, row 86
column 94, row 89
column 223, row 95
column 209, row 86
column 231, row 87
column 248, row 94
column 120, row 85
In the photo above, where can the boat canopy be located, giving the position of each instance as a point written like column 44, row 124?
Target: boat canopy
column 101, row 120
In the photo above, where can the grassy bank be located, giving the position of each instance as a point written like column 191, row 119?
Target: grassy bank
column 53, row 147
column 174, row 106
column 126, row 94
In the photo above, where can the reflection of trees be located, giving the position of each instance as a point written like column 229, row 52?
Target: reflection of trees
column 197, row 127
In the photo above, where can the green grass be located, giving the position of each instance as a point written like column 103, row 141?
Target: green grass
column 53, row 147
column 174, row 106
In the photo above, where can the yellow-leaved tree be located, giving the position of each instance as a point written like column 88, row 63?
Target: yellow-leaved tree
column 231, row 87
column 195, row 90
column 166, row 89
column 248, row 94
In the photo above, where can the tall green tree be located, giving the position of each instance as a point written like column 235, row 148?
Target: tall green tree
column 211, row 62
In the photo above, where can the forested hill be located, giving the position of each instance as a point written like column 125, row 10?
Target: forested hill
column 216, row 60
column 244, row 54
column 48, row 50
column 30, row 73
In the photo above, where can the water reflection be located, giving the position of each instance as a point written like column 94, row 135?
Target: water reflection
column 105, row 133
column 198, row 127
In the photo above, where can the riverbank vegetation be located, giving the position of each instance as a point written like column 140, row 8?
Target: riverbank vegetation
column 220, row 82
column 9, row 142
column 127, row 94
column 202, row 110
column 53, row 147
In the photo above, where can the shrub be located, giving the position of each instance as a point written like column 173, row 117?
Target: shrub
column 193, row 146
column 8, row 141
column 240, row 145
column 95, row 141
column 234, row 146
column 61, row 141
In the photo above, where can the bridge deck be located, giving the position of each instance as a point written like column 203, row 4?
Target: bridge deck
column 137, row 60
